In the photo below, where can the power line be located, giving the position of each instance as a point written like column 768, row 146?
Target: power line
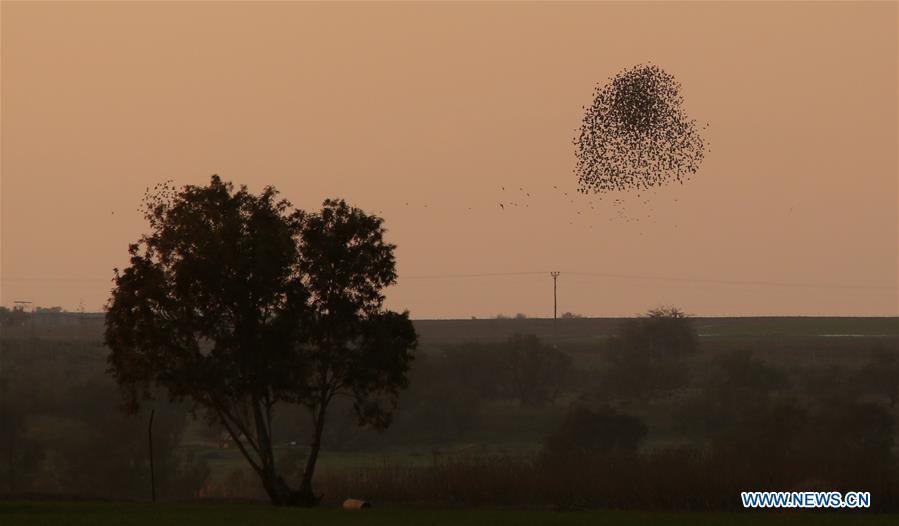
column 481, row 275
column 543, row 273
column 55, row 278
column 662, row 278
column 735, row 282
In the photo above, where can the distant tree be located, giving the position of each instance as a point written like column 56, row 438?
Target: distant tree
column 735, row 388
column 880, row 376
column 13, row 317
column 538, row 371
column 521, row 316
column 645, row 354
column 449, row 389
column 739, row 377
column 237, row 302
column 446, row 397
column 479, row 367
column 20, row 452
column 571, row 315
column 663, row 331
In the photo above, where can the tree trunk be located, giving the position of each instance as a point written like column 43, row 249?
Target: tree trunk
column 278, row 491
column 275, row 486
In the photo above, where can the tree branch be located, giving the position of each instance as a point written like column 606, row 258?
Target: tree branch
column 237, row 441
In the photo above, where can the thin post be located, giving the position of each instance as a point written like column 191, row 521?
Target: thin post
column 555, row 276
column 150, row 444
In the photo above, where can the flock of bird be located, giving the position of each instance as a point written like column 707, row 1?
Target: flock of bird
column 634, row 137
column 636, row 134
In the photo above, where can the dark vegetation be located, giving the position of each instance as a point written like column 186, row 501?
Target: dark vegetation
column 758, row 404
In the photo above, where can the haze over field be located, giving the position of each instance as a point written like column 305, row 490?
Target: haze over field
column 430, row 115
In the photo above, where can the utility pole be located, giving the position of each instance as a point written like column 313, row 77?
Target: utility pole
column 555, row 276
column 81, row 323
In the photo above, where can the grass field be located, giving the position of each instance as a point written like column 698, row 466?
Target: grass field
column 132, row 514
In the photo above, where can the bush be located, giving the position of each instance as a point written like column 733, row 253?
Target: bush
column 586, row 432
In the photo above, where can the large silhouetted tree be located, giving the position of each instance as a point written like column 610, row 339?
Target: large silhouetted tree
column 238, row 302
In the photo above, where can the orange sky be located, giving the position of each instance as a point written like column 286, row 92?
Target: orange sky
column 442, row 105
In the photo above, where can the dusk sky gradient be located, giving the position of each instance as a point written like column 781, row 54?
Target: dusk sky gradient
column 793, row 211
